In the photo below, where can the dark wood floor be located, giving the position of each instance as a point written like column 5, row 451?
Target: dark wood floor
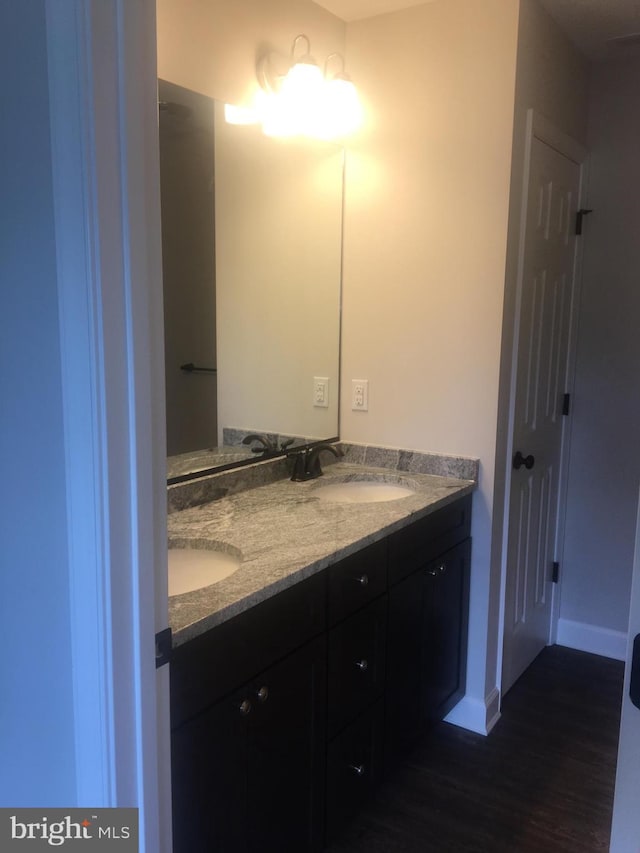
column 541, row 782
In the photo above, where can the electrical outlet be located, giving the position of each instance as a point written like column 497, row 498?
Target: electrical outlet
column 321, row 391
column 360, row 395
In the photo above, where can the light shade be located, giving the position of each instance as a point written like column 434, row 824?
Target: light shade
column 304, row 101
column 343, row 111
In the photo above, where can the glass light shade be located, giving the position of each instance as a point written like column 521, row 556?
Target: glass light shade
column 342, row 109
column 300, row 95
column 302, row 82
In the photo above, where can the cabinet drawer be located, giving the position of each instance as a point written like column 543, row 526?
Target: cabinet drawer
column 354, row 768
column 424, row 540
column 212, row 665
column 357, row 651
column 357, row 580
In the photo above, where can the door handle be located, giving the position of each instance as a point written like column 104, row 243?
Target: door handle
column 519, row 460
column 634, row 681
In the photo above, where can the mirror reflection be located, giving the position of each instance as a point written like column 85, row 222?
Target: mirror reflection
column 251, row 238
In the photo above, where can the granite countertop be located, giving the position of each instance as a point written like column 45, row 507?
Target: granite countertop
column 285, row 534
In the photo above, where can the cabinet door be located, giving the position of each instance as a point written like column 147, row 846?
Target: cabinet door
column 247, row 774
column 445, row 628
column 209, row 779
column 426, row 657
column 285, row 753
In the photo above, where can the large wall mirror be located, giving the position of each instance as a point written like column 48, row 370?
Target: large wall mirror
column 252, row 248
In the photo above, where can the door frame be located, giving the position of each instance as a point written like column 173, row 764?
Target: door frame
column 539, row 127
column 625, row 825
column 104, row 150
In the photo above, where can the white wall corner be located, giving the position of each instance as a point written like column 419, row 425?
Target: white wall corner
column 592, row 638
column 476, row 715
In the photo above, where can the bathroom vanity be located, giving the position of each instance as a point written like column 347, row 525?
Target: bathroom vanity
column 293, row 692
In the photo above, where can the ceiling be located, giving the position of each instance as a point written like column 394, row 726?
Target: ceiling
column 591, row 24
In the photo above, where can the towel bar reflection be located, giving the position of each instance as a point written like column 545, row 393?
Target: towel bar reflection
column 191, row 368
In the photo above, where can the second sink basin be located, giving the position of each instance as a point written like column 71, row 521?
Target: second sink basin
column 363, row 491
column 192, row 568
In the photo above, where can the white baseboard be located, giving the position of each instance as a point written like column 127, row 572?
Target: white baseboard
column 476, row 715
column 591, row 638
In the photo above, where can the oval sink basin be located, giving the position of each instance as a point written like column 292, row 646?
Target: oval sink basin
column 195, row 568
column 362, row 491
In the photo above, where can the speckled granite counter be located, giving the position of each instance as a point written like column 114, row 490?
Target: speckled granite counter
column 285, row 534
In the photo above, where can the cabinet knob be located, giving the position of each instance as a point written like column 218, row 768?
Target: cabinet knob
column 263, row 693
column 358, row 769
column 363, row 580
column 438, row 570
column 363, row 665
column 245, row 707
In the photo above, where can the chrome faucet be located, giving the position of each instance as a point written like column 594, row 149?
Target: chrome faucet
column 306, row 462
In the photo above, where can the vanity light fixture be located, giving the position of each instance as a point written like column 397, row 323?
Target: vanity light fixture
column 298, row 99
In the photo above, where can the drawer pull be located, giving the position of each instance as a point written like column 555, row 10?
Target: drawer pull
column 263, row 693
column 358, row 769
column 245, row 707
column 437, row 571
column 363, row 665
column 363, row 580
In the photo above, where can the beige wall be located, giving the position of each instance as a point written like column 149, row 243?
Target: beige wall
column 212, row 47
column 425, row 240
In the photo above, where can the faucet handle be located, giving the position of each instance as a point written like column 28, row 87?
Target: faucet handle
column 306, row 464
column 314, row 457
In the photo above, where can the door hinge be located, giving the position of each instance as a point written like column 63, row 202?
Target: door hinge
column 566, row 404
column 634, row 681
column 579, row 217
column 555, row 573
column 163, row 647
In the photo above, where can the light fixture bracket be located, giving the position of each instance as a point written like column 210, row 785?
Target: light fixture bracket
column 271, row 70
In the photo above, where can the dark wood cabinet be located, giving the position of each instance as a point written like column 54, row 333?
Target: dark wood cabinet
column 248, row 772
column 354, row 767
column 209, row 780
column 356, row 581
column 248, row 713
column 426, row 647
column 284, row 717
column 406, row 662
column 445, row 631
column 286, row 753
column 357, row 652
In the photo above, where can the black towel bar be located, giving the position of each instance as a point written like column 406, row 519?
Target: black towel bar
column 191, row 368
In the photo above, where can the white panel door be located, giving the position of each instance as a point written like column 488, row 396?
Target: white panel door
column 542, row 348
